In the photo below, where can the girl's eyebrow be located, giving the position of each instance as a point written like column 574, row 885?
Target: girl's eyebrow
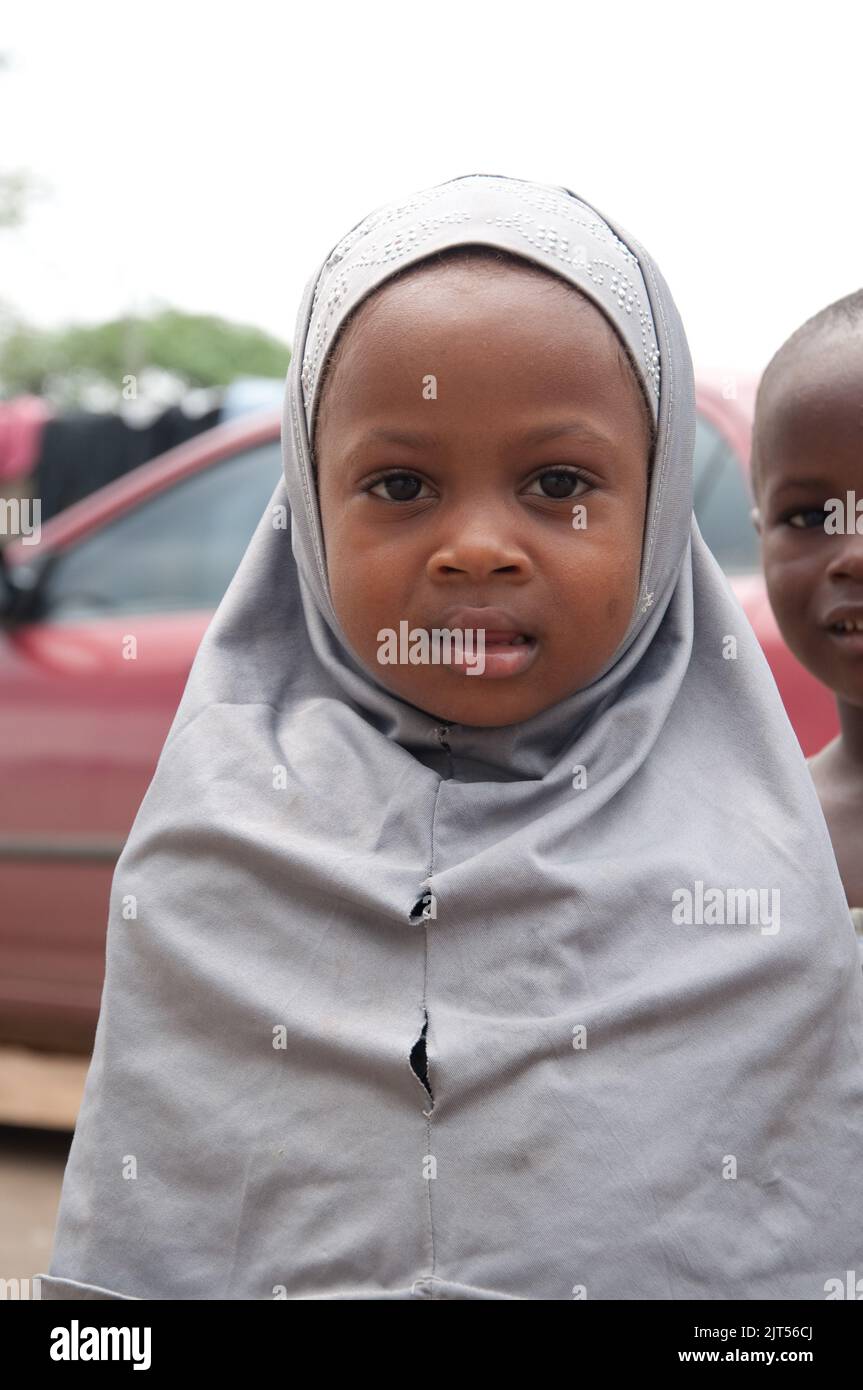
column 572, row 428
column 420, row 439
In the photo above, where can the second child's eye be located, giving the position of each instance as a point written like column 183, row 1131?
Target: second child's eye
column 803, row 520
column 556, row 483
column 398, row 487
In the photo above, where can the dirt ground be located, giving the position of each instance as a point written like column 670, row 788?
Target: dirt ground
column 39, row 1098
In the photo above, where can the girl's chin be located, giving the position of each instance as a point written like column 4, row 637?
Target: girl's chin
column 495, row 706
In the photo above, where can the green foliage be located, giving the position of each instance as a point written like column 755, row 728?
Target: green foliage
column 16, row 189
column 198, row 349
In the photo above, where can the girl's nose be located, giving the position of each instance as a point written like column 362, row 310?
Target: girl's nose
column 478, row 550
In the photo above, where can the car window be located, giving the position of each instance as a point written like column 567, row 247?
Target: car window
column 176, row 551
column 722, row 503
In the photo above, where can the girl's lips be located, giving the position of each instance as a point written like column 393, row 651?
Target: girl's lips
column 500, row 658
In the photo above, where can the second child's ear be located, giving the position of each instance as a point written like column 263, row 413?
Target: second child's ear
column 755, row 516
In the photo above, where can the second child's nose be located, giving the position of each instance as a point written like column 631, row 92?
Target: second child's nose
column 846, row 557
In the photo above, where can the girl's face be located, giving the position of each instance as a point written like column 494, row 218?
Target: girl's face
column 808, row 440
column 465, row 417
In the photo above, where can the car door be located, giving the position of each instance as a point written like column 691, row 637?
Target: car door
column 87, row 695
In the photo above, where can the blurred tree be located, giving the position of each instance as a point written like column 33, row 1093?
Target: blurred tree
column 16, row 189
column 16, row 185
column 74, row 365
column 196, row 349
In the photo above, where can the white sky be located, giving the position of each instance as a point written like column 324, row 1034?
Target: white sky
column 208, row 155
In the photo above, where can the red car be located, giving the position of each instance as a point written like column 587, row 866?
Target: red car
column 82, row 724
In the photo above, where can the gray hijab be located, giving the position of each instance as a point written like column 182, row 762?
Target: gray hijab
column 630, row 1093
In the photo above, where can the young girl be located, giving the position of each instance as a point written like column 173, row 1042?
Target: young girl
column 805, row 455
column 426, row 981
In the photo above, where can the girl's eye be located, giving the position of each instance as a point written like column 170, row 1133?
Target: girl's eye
column 802, row 521
column 400, row 487
column 557, row 483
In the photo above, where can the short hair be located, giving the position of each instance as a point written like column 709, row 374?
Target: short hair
column 834, row 320
column 484, row 258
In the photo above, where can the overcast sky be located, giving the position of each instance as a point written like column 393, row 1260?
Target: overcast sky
column 210, row 162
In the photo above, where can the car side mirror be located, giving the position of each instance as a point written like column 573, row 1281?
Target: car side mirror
column 19, row 591
column 7, row 591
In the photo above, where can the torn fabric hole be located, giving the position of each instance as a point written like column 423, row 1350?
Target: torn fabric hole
column 419, row 1058
column 424, row 909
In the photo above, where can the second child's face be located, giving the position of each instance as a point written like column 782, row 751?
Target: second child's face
column 466, row 417
column 810, row 444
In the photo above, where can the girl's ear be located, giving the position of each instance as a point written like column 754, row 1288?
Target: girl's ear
column 755, row 516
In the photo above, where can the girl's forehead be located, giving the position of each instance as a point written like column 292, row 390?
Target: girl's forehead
column 543, row 224
column 566, row 354
column 461, row 295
